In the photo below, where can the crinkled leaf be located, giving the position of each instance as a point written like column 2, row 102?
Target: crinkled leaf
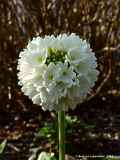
column 2, row 146
column 46, row 156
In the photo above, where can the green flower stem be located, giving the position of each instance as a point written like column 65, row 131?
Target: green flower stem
column 61, row 129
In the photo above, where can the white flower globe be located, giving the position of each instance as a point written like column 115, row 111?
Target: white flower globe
column 57, row 72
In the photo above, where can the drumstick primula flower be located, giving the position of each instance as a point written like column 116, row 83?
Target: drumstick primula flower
column 57, row 72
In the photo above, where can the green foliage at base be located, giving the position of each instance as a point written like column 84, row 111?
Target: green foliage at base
column 2, row 146
column 46, row 156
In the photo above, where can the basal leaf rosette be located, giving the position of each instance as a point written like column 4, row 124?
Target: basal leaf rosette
column 57, row 72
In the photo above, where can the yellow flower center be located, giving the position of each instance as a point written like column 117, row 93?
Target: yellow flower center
column 55, row 55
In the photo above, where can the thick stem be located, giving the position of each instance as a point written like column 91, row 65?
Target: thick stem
column 61, row 129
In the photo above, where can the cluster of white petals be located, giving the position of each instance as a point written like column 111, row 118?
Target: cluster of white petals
column 57, row 72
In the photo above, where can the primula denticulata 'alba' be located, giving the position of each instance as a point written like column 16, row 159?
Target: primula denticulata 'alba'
column 57, row 72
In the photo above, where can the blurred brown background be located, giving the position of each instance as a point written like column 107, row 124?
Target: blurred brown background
column 98, row 21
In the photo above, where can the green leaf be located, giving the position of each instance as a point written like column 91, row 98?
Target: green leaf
column 2, row 146
column 46, row 156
